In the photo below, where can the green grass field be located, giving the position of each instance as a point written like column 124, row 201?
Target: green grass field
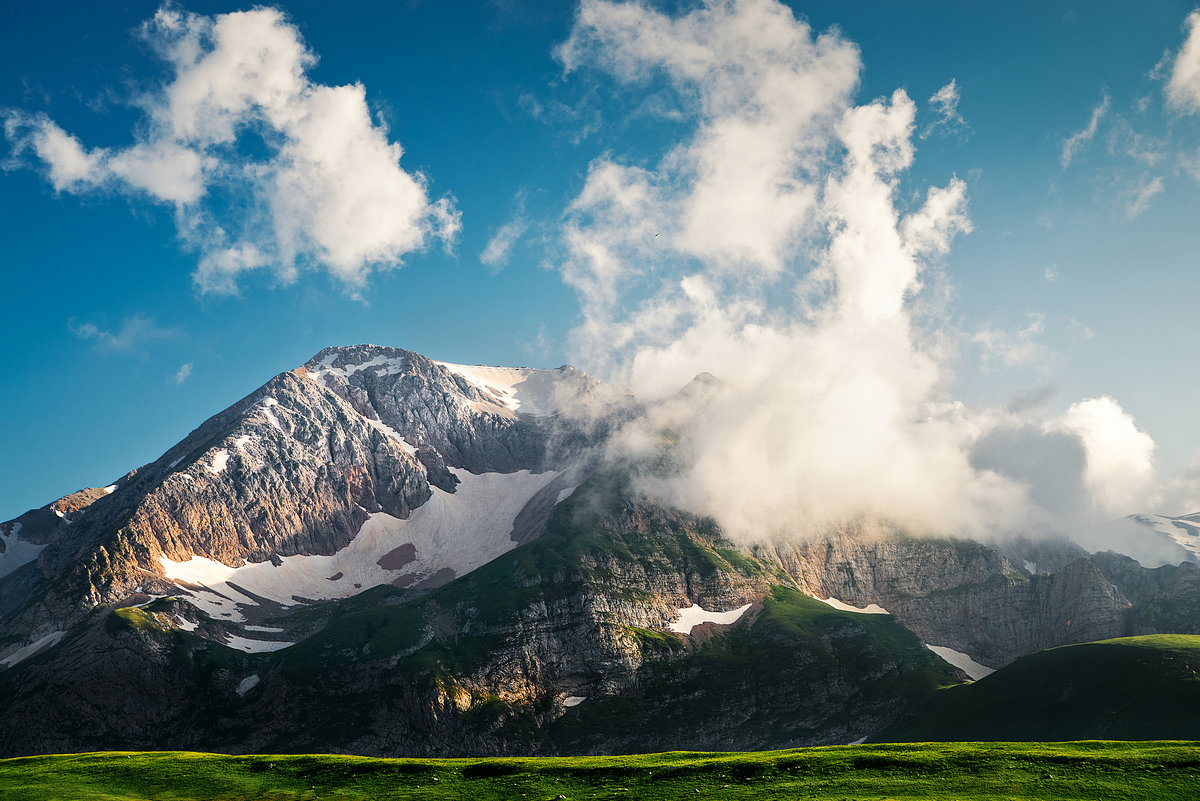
column 962, row 771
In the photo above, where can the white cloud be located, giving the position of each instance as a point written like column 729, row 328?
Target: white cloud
column 1120, row 466
column 1183, row 86
column 1138, row 200
column 135, row 332
column 783, row 265
column 1073, row 143
column 325, row 186
column 185, row 370
column 495, row 254
column 945, row 104
column 770, row 246
column 1013, row 349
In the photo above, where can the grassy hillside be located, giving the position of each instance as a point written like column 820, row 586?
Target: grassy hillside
column 1132, row 688
column 962, row 771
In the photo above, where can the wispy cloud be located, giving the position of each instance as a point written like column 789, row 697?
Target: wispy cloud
column 496, row 253
column 183, row 373
column 1075, row 142
column 1010, row 349
column 329, row 190
column 1138, row 200
column 945, row 104
column 135, row 332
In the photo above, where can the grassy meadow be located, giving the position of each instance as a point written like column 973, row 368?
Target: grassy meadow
column 961, row 771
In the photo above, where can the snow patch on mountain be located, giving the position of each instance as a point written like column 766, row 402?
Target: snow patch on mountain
column 448, row 536
column 255, row 646
column 1183, row 531
column 500, row 383
column 17, row 552
column 388, row 431
column 220, row 460
column 869, row 609
column 695, row 614
column 34, row 647
column 381, row 365
column 266, row 404
column 961, row 661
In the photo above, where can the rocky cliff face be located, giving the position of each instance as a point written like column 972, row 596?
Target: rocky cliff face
column 968, row 596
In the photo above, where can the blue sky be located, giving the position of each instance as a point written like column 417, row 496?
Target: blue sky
column 1074, row 279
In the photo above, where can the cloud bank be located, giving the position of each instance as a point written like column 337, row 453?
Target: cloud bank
column 1183, row 86
column 772, row 247
column 264, row 169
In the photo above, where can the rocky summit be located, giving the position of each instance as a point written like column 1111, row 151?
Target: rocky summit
column 379, row 553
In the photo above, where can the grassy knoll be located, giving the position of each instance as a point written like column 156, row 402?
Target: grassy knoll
column 1131, row 688
column 962, row 771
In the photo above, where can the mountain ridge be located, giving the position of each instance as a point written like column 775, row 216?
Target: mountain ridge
column 399, row 555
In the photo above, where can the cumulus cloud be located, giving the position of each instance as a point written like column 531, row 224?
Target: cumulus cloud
column 1075, row 142
column 1120, row 466
column 264, row 168
column 771, row 247
column 1183, row 86
column 135, row 332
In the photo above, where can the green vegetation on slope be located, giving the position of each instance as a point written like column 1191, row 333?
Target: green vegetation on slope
column 1131, row 688
column 800, row 672
column 962, row 771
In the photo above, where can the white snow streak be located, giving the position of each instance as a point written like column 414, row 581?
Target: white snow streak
column 247, row 684
column 17, row 552
column 961, row 661
column 869, row 609
column 694, row 615
column 49, row 641
column 574, row 700
column 255, row 646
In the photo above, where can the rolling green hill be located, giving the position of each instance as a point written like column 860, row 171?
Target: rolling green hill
column 1132, row 688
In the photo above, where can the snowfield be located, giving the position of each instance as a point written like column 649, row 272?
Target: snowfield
column 961, row 661
column 695, row 614
column 869, row 609
column 17, row 551
column 509, row 386
column 48, row 641
column 448, row 536
column 1183, row 531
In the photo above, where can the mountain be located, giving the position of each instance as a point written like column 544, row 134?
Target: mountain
column 379, row 553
